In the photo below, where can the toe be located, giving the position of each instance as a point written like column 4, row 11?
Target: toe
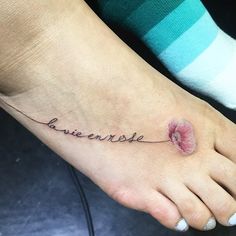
column 165, row 211
column 223, row 171
column 221, row 203
column 191, row 208
column 226, row 139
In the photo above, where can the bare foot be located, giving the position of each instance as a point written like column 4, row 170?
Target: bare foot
column 86, row 78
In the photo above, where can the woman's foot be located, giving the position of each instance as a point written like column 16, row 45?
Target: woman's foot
column 80, row 73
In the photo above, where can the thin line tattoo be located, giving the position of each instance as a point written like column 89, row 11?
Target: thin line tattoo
column 112, row 138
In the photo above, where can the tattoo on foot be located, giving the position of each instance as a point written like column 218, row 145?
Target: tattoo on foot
column 180, row 132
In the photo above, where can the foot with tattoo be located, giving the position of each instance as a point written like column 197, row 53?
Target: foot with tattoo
column 147, row 143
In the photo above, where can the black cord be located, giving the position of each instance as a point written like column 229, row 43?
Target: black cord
column 83, row 200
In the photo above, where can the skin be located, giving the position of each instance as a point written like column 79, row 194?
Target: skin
column 51, row 65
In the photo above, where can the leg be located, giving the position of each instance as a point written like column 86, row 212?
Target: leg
column 91, row 81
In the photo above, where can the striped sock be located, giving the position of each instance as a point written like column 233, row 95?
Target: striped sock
column 182, row 34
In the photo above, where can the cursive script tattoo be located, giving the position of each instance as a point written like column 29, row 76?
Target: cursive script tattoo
column 112, row 138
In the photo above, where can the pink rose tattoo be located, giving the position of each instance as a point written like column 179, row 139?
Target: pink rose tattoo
column 181, row 134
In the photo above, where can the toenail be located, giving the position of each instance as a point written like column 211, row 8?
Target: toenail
column 211, row 224
column 232, row 220
column 182, row 225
